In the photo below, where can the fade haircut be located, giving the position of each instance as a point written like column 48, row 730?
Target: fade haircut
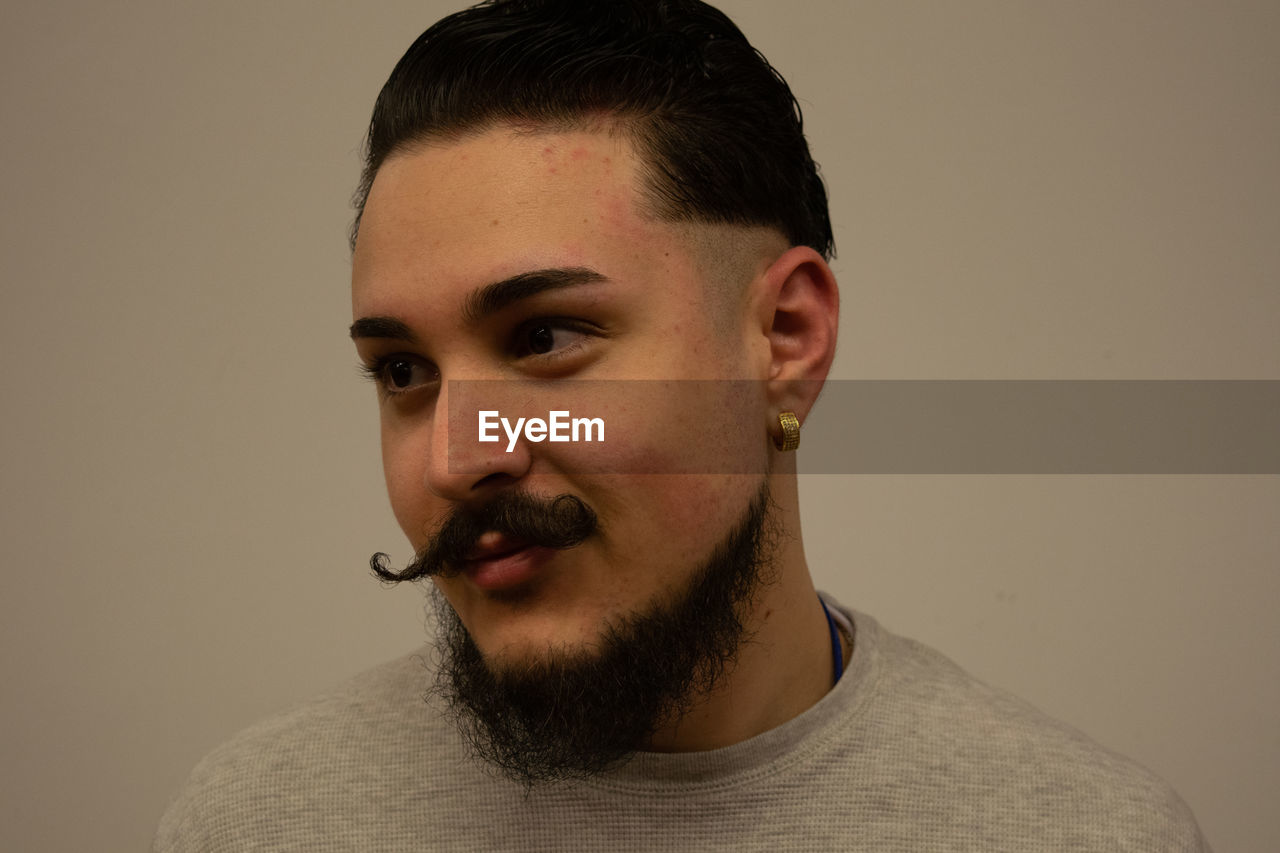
column 717, row 128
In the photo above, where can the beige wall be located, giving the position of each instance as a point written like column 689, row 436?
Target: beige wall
column 1021, row 190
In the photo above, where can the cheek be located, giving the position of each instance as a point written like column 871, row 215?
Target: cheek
column 656, row 530
column 667, row 427
column 680, row 465
column 403, row 468
column 677, row 467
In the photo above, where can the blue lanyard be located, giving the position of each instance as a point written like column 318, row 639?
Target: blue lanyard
column 837, row 648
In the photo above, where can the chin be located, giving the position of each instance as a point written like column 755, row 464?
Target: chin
column 539, row 653
column 511, row 634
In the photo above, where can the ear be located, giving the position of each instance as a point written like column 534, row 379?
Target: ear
column 798, row 313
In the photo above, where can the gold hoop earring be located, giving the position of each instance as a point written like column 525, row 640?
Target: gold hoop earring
column 790, row 432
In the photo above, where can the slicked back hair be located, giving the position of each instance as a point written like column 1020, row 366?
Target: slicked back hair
column 717, row 128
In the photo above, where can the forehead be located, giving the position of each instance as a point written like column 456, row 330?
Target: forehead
column 503, row 202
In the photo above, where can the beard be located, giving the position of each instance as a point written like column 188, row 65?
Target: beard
column 579, row 713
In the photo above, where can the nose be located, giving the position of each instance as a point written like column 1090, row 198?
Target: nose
column 462, row 468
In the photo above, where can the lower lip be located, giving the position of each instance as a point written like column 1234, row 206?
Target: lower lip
column 509, row 570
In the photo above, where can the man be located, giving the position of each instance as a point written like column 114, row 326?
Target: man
column 609, row 210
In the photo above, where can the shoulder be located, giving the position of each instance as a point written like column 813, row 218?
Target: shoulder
column 1010, row 768
column 307, row 771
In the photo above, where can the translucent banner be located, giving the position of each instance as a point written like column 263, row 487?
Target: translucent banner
column 873, row 426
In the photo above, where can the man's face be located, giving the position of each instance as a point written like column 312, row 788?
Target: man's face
column 501, row 214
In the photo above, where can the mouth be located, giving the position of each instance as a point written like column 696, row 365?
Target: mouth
column 499, row 562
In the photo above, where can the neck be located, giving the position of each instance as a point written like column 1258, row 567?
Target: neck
column 784, row 665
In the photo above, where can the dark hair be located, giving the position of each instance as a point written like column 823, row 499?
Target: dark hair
column 717, row 126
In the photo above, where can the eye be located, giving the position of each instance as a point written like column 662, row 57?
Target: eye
column 550, row 338
column 541, row 339
column 397, row 374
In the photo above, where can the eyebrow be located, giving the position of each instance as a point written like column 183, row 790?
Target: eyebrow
column 486, row 301
column 494, row 297
column 382, row 327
